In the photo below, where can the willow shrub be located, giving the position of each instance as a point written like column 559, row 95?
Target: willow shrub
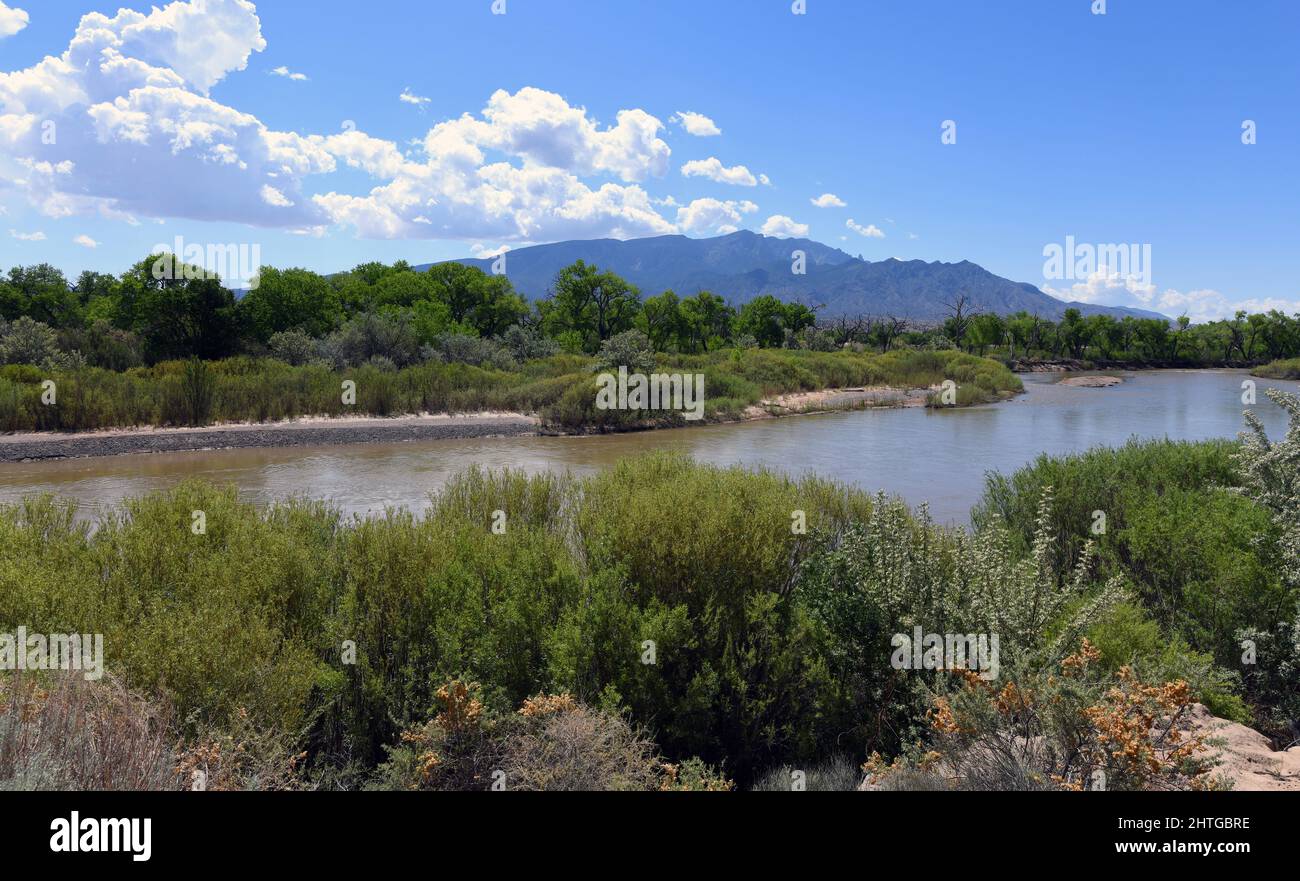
column 1203, row 557
column 262, row 608
column 696, row 565
column 560, row 388
column 1284, row 369
column 442, row 595
column 217, row 620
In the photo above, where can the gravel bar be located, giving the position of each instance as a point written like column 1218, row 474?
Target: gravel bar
column 28, row 447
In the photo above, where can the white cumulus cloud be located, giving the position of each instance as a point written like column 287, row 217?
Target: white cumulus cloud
column 85, row 241
column 713, row 216
column 871, row 231
column 829, row 200
column 27, row 236
column 696, row 124
column 713, row 169
column 11, row 20
column 784, row 227
column 120, row 124
column 139, row 136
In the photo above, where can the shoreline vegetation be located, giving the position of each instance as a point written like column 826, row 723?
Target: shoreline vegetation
column 662, row 625
column 168, row 344
column 557, row 393
column 1281, row 369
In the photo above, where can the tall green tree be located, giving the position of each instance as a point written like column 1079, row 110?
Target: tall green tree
column 986, row 329
column 484, row 301
column 593, row 304
column 706, row 322
column 768, row 320
column 179, row 311
column 661, row 320
column 41, row 292
column 290, row 299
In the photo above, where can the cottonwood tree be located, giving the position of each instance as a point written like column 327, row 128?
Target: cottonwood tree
column 592, row 304
column 178, row 311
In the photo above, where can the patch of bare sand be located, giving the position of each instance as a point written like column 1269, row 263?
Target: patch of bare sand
column 829, row 400
column 1091, row 381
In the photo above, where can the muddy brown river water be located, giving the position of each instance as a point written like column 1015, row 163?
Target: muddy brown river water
column 940, row 457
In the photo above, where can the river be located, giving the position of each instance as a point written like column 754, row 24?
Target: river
column 939, row 457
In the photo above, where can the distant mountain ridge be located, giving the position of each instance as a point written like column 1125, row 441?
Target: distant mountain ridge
column 744, row 265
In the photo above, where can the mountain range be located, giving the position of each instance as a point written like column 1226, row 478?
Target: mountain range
column 744, row 265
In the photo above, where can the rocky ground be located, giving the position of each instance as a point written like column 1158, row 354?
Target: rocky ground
column 1247, row 758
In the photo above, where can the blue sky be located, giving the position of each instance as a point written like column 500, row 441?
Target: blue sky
column 562, row 119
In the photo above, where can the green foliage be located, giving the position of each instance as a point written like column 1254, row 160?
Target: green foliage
column 630, row 349
column 26, row 341
column 442, row 379
column 769, row 321
column 592, row 304
column 1271, row 477
column 1272, row 679
column 893, row 573
column 1201, row 557
column 1127, row 636
column 293, row 347
column 290, row 299
column 677, row 596
column 1281, row 369
column 179, row 311
column 197, row 391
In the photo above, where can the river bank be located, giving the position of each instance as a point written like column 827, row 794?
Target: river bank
column 1077, row 365
column 32, row 446
column 342, row 431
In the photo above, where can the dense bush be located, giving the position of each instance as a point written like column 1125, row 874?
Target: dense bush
column 459, row 348
column 254, row 612
column 1202, row 557
column 630, row 349
column 369, row 335
column 528, row 343
column 294, row 347
column 29, row 342
column 1281, row 369
column 739, row 620
column 560, row 388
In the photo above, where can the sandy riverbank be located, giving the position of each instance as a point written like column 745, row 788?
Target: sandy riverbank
column 334, row 431
column 297, row 433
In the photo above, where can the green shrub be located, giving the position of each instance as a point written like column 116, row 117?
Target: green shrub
column 1201, row 557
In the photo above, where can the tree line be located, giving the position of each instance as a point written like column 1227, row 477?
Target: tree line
column 1243, row 339
column 159, row 310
